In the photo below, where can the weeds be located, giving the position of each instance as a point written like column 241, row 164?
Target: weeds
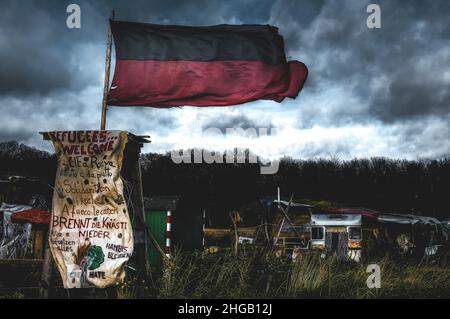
column 253, row 274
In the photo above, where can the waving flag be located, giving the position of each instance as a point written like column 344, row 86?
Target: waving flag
column 165, row 65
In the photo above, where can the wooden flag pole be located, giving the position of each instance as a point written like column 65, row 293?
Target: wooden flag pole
column 107, row 71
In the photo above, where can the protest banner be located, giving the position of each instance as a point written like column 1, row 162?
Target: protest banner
column 90, row 233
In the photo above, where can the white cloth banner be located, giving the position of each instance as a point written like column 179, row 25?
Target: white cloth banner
column 91, row 235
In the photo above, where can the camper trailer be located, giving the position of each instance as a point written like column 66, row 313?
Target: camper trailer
column 339, row 234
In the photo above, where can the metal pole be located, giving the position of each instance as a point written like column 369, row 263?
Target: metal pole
column 107, row 71
column 168, row 233
column 279, row 198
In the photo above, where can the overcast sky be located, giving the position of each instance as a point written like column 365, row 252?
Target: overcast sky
column 370, row 92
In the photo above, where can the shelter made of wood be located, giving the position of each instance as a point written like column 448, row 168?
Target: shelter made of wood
column 174, row 222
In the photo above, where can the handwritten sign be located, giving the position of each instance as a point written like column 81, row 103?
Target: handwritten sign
column 90, row 233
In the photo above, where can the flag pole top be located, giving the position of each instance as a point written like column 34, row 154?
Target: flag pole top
column 107, row 72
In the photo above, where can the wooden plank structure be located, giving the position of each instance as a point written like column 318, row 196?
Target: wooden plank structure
column 38, row 244
column 172, row 221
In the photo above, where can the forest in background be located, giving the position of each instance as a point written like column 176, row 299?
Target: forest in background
column 390, row 185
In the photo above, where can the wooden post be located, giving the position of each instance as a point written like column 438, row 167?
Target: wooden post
column 236, row 236
column 131, row 171
column 46, row 269
column 107, row 71
column 203, row 228
column 329, row 278
column 285, row 213
column 275, row 240
column 38, row 244
column 138, row 205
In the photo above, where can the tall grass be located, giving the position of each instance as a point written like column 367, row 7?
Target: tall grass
column 257, row 274
column 309, row 276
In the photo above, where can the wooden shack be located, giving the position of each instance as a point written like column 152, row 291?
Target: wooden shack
column 176, row 223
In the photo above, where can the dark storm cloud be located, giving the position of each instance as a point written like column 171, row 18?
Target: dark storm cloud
column 412, row 93
column 46, row 66
column 43, row 55
column 397, row 77
column 71, row 111
column 397, row 70
column 17, row 135
column 142, row 119
column 413, row 61
column 39, row 53
column 199, row 12
column 292, row 17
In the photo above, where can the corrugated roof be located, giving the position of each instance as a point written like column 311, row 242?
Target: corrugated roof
column 167, row 202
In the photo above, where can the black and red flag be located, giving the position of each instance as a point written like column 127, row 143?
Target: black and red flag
column 166, row 65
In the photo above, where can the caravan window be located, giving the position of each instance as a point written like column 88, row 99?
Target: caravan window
column 316, row 232
column 354, row 233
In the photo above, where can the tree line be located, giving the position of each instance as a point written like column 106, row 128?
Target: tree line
column 391, row 185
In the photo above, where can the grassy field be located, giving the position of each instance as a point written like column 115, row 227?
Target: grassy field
column 257, row 274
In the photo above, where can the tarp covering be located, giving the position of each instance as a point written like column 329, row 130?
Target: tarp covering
column 413, row 220
column 13, row 237
column 32, row 216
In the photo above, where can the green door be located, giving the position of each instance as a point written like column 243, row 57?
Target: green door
column 156, row 222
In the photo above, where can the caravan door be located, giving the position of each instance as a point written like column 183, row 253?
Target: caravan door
column 337, row 241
